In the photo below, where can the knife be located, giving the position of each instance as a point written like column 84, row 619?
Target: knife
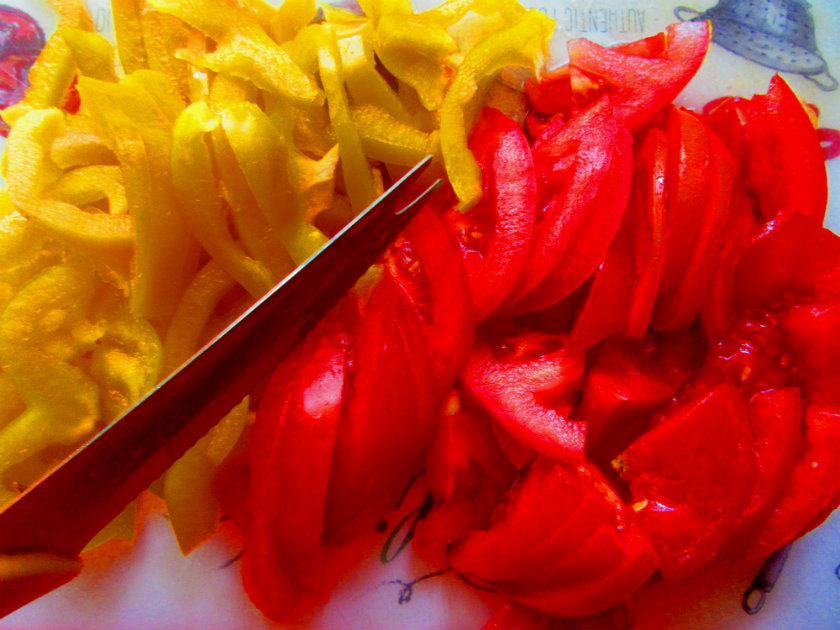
column 44, row 529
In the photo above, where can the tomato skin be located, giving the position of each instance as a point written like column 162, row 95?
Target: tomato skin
column 584, row 170
column 291, row 450
column 813, row 487
column 426, row 263
column 641, row 78
column 503, row 218
column 375, row 456
column 528, row 382
column 564, row 544
column 691, row 476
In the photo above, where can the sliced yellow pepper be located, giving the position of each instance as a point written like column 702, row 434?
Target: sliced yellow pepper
column 196, row 188
column 243, row 48
column 88, row 185
column 388, row 140
column 358, row 178
column 521, row 44
column 93, row 54
column 291, row 16
column 30, row 171
column 128, row 33
column 81, row 145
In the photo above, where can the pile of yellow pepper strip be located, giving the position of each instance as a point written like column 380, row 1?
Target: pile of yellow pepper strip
column 212, row 151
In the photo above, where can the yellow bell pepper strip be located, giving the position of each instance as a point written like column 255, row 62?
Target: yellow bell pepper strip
column 291, row 17
column 261, row 154
column 375, row 9
column 128, row 34
column 123, row 526
column 93, row 54
column 163, row 36
column 194, row 310
column 87, row 185
column 61, row 405
column 196, row 189
column 262, row 12
column 226, row 90
column 255, row 233
column 11, row 404
column 189, row 485
column 521, row 44
column 388, row 140
column 126, row 361
column 157, row 87
column 413, row 49
column 139, row 130
column 346, row 23
column 73, row 14
column 358, row 179
column 81, row 145
column 243, row 49
column 50, row 312
column 365, row 84
column 110, row 238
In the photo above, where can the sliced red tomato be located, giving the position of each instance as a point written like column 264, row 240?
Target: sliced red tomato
column 529, row 382
column 496, row 233
column 425, row 262
column 291, row 450
column 607, row 306
column 812, row 331
column 467, row 473
column 813, row 483
column 564, row 545
column 388, row 417
column 679, row 297
column 691, row 476
column 776, row 421
column 785, row 161
column 584, row 170
column 785, row 258
column 717, row 311
column 643, row 77
column 629, row 380
column 646, row 211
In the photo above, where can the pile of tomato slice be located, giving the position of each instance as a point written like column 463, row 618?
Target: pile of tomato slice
column 623, row 360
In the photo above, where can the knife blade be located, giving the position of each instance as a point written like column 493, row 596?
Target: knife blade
column 62, row 512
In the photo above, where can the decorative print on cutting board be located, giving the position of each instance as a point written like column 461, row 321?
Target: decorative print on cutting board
column 21, row 39
column 778, row 34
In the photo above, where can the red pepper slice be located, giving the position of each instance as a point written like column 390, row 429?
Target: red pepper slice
column 495, row 233
column 642, row 78
column 691, row 477
column 528, row 381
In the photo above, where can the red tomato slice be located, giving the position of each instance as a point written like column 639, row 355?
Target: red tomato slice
column 641, row 78
column 375, row 455
column 691, row 477
column 630, row 380
column 584, row 170
column 467, row 473
column 529, row 381
column 496, row 233
column 290, row 454
column 785, row 161
column 785, row 259
column 813, row 483
column 564, row 534
column 606, row 309
column 426, row 263
column 776, row 420
column 812, row 331
column 677, row 309
column 647, row 213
